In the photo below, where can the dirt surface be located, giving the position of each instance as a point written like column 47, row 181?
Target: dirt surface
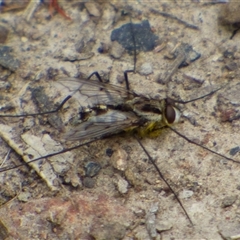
column 126, row 199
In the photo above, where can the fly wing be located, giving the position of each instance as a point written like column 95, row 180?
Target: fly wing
column 92, row 92
column 96, row 127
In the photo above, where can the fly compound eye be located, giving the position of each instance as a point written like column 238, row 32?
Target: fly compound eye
column 172, row 114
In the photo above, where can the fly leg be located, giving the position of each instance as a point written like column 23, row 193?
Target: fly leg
column 55, row 110
column 126, row 78
column 97, row 75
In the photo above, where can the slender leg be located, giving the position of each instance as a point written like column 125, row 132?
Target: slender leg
column 97, row 75
column 126, row 78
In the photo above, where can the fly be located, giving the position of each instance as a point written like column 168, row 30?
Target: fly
column 110, row 110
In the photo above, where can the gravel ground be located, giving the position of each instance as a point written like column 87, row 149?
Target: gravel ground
column 126, row 199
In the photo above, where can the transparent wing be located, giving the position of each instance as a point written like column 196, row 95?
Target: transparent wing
column 93, row 92
column 96, row 127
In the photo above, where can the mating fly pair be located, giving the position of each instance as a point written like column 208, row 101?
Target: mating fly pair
column 106, row 109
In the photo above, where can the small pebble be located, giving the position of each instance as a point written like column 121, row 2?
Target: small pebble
column 119, row 159
column 109, row 152
column 92, row 169
column 89, row 182
column 7, row 60
column 93, row 9
column 186, row 194
column 122, row 185
column 24, row 196
column 75, row 181
column 234, row 151
column 116, row 50
column 162, row 226
column 228, row 201
column 146, row 69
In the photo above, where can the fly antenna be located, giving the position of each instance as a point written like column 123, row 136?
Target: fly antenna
column 201, row 97
column 199, row 145
column 163, row 178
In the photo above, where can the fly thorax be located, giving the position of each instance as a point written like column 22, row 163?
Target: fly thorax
column 149, row 110
column 149, row 116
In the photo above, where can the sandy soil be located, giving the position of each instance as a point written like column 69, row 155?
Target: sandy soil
column 126, row 199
